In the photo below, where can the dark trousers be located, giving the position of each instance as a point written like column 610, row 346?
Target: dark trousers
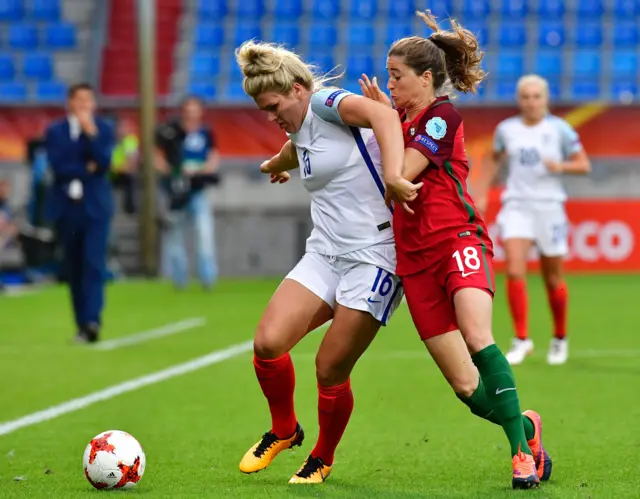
column 85, row 243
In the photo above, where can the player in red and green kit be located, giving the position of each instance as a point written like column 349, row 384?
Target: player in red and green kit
column 444, row 251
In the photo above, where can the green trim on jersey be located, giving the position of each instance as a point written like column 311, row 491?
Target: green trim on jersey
column 479, row 233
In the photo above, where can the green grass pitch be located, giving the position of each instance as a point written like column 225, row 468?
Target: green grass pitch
column 409, row 436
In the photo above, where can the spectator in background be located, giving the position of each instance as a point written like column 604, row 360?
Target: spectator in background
column 124, row 162
column 79, row 150
column 186, row 155
column 37, row 161
column 8, row 229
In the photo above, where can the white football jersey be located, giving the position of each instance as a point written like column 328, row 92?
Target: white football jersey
column 526, row 148
column 341, row 168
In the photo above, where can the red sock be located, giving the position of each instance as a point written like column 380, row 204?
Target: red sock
column 335, row 405
column 278, row 380
column 519, row 306
column 558, row 298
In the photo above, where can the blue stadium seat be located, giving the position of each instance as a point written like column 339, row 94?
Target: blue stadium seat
column 323, row 34
column 514, row 8
column 11, row 10
column 61, row 36
column 476, row 8
column 506, row 89
column 401, row 9
column 45, row 10
column 512, row 34
column 585, row 90
column 13, row 92
column 589, row 8
column 203, row 66
column 37, row 66
column 326, row 9
column 203, row 90
column 551, row 9
column 624, row 90
column 478, row 97
column 287, row 9
column 234, row 92
column 363, row 9
column 625, row 64
column 246, row 30
column 396, row 30
column 51, row 91
column 7, row 67
column 588, row 34
column 480, row 29
column 209, row 35
column 358, row 63
column 323, row 61
column 442, row 9
column 509, row 64
column 286, row 33
column 551, row 34
column 555, row 88
column 361, row 34
column 587, row 63
column 231, row 68
column 350, row 84
column 251, row 9
column 625, row 34
column 627, row 9
column 548, row 64
column 23, row 36
column 214, row 11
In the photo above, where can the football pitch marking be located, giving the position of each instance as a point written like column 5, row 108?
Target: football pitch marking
column 76, row 404
column 152, row 334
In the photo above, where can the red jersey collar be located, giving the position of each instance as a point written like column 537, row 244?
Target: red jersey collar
column 437, row 102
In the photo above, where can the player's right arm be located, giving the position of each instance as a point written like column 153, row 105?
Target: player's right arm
column 489, row 170
column 285, row 160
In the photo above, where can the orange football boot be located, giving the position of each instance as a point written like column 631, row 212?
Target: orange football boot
column 261, row 454
column 313, row 471
column 542, row 459
column 525, row 473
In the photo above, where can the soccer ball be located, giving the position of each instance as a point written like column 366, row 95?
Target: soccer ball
column 114, row 460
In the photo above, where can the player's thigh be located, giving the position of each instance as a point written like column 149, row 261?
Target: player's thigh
column 450, row 353
column 517, row 233
column 552, row 235
column 302, row 302
column 349, row 335
column 474, row 310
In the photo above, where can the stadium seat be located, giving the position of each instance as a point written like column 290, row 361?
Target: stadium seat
column 209, row 35
column 625, row 64
column 551, row 34
column 37, row 66
column 23, row 36
column 360, row 35
column 323, row 34
column 396, row 30
column 203, row 90
column 627, row 9
column 480, row 29
column 476, row 8
column 625, row 34
column 506, row 90
column 508, row 64
column 585, row 90
column 514, row 8
column 249, row 9
column 51, row 91
column 234, row 92
column 326, row 9
column 13, row 92
column 230, row 67
column 214, row 11
column 61, row 36
column 588, row 34
column 442, row 9
column 624, row 91
column 11, row 10
column 287, row 9
column 358, row 63
column 512, row 34
column 351, row 85
column 203, row 66
column 45, row 10
column 551, row 9
column 363, row 9
column 246, row 30
column 548, row 64
column 7, row 67
column 587, row 64
column 286, row 33
column 589, row 8
column 401, row 9
column 323, row 61
column 555, row 88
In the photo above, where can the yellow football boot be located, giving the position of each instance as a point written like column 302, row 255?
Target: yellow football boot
column 261, row 454
column 313, row 471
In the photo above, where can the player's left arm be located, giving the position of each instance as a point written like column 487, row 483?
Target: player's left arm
column 414, row 164
column 576, row 161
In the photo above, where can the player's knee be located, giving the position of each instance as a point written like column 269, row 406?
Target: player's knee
column 515, row 273
column 464, row 387
column 553, row 280
column 478, row 338
column 267, row 344
column 330, row 371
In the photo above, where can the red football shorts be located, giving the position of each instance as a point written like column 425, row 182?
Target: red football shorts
column 430, row 292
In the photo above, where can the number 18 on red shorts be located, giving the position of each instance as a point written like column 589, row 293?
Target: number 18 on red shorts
column 430, row 292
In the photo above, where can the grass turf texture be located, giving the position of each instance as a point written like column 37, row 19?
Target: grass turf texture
column 409, row 436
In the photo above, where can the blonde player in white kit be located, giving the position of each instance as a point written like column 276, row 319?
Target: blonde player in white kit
column 538, row 149
column 347, row 273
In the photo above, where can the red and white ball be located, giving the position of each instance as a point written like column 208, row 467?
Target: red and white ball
column 114, row 460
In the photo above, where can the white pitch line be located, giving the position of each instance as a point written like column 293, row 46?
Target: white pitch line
column 152, row 334
column 214, row 357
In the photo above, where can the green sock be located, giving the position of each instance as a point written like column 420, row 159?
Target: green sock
column 480, row 405
column 500, row 389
